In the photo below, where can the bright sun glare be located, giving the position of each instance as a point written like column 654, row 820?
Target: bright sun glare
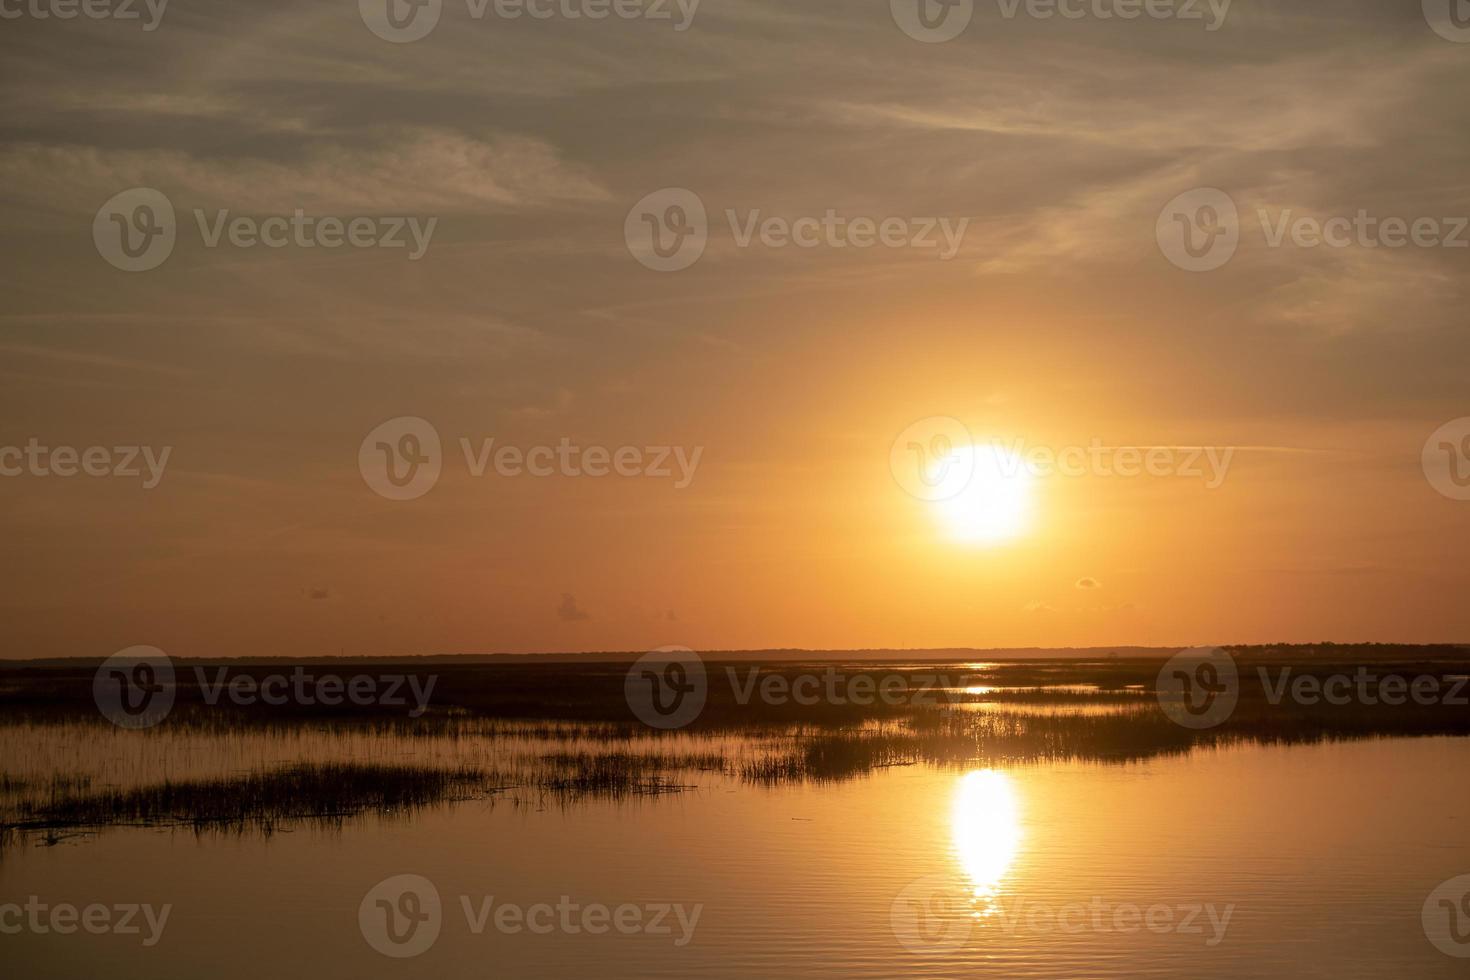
column 991, row 498
column 986, row 827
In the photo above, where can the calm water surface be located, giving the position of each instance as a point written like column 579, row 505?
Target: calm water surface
column 1295, row 861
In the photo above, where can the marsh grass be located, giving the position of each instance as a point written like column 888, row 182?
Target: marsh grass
column 563, row 733
column 262, row 799
column 616, row 775
column 622, row 764
column 832, row 757
column 586, row 698
column 53, row 785
column 335, row 792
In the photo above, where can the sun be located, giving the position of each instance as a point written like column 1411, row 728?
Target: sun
column 993, row 502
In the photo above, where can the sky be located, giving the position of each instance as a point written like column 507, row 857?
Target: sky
column 1043, row 234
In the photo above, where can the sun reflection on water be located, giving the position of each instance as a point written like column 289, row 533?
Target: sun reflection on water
column 986, row 828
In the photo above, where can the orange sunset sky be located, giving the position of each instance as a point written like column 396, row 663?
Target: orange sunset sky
column 1059, row 322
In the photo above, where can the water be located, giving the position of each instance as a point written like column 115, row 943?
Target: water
column 1323, row 856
